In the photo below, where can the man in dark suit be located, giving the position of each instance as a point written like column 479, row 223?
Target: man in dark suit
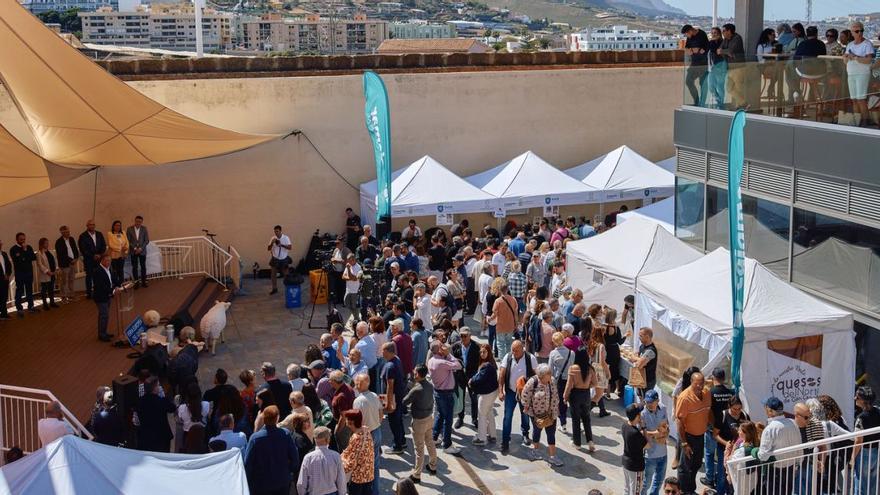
column 281, row 389
column 154, row 434
column 5, row 276
column 105, row 286
column 92, row 245
column 138, row 238
column 23, row 257
column 468, row 353
column 67, row 253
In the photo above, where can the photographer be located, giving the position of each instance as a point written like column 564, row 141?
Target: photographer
column 279, row 246
column 338, row 260
column 351, row 274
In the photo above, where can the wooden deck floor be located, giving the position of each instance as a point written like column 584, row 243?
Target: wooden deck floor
column 59, row 350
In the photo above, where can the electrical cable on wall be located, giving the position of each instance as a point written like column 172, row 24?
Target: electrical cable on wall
column 299, row 133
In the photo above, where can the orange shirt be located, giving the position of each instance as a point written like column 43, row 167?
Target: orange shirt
column 505, row 311
column 693, row 411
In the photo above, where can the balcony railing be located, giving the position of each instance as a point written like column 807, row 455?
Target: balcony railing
column 813, row 89
column 171, row 258
column 829, row 466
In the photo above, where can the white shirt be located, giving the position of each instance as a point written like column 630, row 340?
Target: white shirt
column 109, row 276
column 370, row 407
column 780, row 432
column 484, row 283
column 352, row 286
column 279, row 251
column 94, row 236
column 67, row 243
column 3, row 263
column 412, row 232
column 557, row 282
column 863, row 49
column 186, row 417
column 51, row 429
column 423, row 310
column 517, row 368
column 469, row 267
column 498, row 260
column 137, row 233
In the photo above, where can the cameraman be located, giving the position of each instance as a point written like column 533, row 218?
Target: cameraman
column 338, row 260
column 352, row 275
column 279, row 246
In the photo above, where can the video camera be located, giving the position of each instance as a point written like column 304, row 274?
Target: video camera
column 324, row 245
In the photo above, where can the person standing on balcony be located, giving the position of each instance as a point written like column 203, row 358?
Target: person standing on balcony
column 5, row 275
column 23, row 258
column 92, row 246
column 717, row 68
column 53, row 426
column 734, row 54
column 67, row 252
column 138, row 238
column 696, row 48
column 832, row 44
column 783, row 31
column 866, row 449
column 105, row 286
column 117, row 245
column 859, row 56
column 47, row 266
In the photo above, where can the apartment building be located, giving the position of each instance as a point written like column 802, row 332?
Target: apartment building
column 313, row 33
column 421, row 30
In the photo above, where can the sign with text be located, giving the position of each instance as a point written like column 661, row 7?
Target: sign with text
column 134, row 330
column 794, row 369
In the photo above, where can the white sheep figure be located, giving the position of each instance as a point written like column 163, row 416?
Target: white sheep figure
column 213, row 323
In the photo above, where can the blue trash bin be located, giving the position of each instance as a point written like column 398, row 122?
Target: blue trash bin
column 293, row 296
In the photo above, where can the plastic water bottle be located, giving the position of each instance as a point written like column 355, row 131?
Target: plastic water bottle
column 169, row 333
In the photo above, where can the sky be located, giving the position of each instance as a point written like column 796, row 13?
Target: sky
column 783, row 9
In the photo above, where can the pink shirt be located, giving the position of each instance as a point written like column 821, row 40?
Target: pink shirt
column 442, row 372
column 547, row 332
column 572, row 343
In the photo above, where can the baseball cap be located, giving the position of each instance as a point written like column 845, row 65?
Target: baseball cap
column 652, row 396
column 774, row 404
column 459, row 257
column 566, row 289
column 317, row 365
column 632, row 411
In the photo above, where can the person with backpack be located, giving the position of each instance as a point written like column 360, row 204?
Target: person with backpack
column 561, row 358
column 517, row 366
column 540, row 401
column 506, row 313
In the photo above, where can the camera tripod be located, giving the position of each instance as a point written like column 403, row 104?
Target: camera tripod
column 322, row 279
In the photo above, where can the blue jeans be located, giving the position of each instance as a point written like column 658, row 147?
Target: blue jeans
column 866, row 472
column 721, row 486
column 655, row 473
column 505, row 340
column 709, row 459
column 804, row 477
column 445, row 400
column 377, row 453
column 510, row 404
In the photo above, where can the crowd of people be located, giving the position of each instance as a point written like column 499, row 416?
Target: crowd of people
column 103, row 259
column 718, row 76
column 541, row 354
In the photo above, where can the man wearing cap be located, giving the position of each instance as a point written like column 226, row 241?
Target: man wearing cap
column 865, row 451
column 693, row 415
column 714, row 458
column 781, row 432
column 654, row 418
column 320, row 379
column 634, row 443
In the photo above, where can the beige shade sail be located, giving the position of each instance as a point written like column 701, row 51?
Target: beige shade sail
column 82, row 115
column 23, row 173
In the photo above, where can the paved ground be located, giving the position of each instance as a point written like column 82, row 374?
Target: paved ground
column 261, row 329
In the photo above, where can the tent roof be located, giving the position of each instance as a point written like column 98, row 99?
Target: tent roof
column 527, row 175
column 74, row 465
column 23, row 173
column 632, row 249
column 668, row 164
column 700, row 292
column 427, row 182
column 82, row 115
column 662, row 212
column 622, row 170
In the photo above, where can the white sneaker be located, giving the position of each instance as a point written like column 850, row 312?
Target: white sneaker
column 591, row 447
column 533, row 455
column 564, row 427
column 452, row 450
column 555, row 461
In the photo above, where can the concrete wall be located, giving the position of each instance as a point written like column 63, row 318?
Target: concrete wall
column 469, row 121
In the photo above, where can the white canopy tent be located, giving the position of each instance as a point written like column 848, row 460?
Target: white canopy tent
column 72, row 465
column 527, row 181
column 426, row 187
column 668, row 164
column 624, row 174
column 606, row 266
column 796, row 346
column 662, row 213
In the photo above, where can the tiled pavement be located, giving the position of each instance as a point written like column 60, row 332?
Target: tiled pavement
column 261, row 329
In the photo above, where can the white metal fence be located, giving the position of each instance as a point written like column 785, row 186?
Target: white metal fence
column 20, row 410
column 178, row 257
column 834, row 465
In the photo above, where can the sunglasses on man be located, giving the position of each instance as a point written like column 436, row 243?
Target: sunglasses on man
column 860, row 31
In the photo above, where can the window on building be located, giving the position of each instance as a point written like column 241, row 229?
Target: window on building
column 837, row 258
column 689, row 211
column 765, row 224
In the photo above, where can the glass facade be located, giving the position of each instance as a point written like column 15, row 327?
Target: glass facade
column 837, row 258
column 689, row 211
column 766, row 227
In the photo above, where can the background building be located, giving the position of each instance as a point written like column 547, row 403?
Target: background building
column 449, row 45
column 169, row 27
column 620, row 38
column 420, row 30
column 40, row 6
column 313, row 33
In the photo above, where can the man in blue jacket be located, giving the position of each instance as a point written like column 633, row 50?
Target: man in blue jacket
column 270, row 457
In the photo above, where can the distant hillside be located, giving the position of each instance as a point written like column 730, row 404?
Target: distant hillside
column 642, row 7
column 578, row 13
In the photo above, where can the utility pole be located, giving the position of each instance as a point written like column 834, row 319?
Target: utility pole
column 714, row 13
column 809, row 12
column 200, row 43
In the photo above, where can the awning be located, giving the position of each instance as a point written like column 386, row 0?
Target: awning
column 82, row 115
column 624, row 174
